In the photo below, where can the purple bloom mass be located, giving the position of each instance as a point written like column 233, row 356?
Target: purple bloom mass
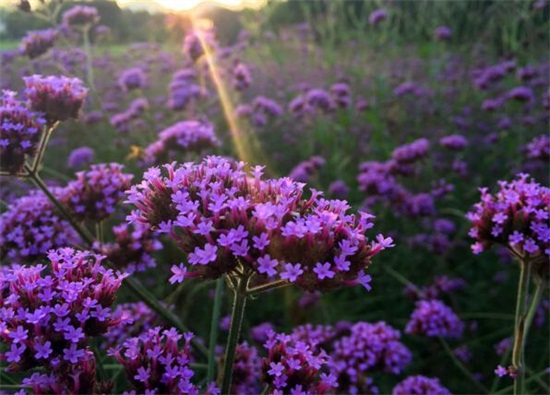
column 366, row 349
column 516, row 216
column 159, row 349
column 30, row 227
column 96, row 192
column 293, row 366
column 433, row 318
column 420, row 385
column 59, row 98
column 80, row 15
column 20, row 132
column 80, row 157
column 222, row 217
column 186, row 136
column 38, row 42
column 49, row 314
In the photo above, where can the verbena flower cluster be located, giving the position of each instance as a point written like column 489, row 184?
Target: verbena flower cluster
column 80, row 15
column 246, row 369
column 224, row 217
column 21, row 130
column 31, row 226
column 48, row 315
column 367, row 348
column 433, row 318
column 38, row 42
column 135, row 319
column 185, row 136
column 154, row 363
column 95, row 193
column 58, row 97
column 516, row 216
column 132, row 248
column 133, row 78
column 293, row 366
column 420, row 385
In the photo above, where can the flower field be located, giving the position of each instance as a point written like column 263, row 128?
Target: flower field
column 340, row 197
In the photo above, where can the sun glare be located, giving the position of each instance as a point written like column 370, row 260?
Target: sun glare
column 185, row 5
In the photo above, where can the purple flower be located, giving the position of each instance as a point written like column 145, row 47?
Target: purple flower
column 59, row 98
column 96, row 192
column 248, row 218
column 133, row 78
column 443, row 33
column 323, row 270
column 377, row 16
column 291, row 363
column 80, row 15
column 433, row 318
column 38, row 42
column 501, row 371
column 20, row 132
column 30, row 227
column 161, row 349
column 420, row 385
column 80, row 157
column 81, row 290
column 185, row 136
column 516, row 216
column 455, row 142
column 241, row 77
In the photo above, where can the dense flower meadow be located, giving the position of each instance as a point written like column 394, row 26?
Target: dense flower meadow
column 262, row 217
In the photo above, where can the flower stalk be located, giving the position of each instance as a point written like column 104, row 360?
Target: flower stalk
column 518, row 358
column 237, row 315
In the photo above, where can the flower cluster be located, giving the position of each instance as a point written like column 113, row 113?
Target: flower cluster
column 293, row 366
column 135, row 318
column 241, row 77
column 341, row 94
column 455, row 142
column 306, row 169
column 80, row 15
column 184, row 90
column 155, row 364
column 367, row 348
column 132, row 248
column 260, row 111
column 186, row 136
column 433, row 318
column 409, row 153
column 96, row 192
column 38, row 42
column 443, row 33
column 516, row 216
column 80, row 157
column 122, row 121
column 247, row 364
column 224, row 218
column 539, row 148
column 21, row 130
column 30, row 227
column 59, row 98
column 442, row 285
column 418, row 385
column 47, row 318
column 133, row 78
column 377, row 16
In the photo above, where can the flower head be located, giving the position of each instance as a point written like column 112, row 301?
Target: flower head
column 224, row 217
column 420, row 385
column 59, row 98
column 21, row 130
column 433, row 318
column 96, row 192
column 38, row 42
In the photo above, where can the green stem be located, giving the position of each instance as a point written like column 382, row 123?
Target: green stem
column 88, row 50
column 83, row 233
column 99, row 231
column 42, row 146
column 214, row 327
column 518, row 362
column 461, row 366
column 266, row 287
column 535, row 301
column 237, row 315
